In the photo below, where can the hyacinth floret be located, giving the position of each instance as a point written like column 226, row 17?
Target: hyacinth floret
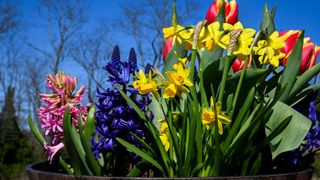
column 119, row 71
column 115, row 118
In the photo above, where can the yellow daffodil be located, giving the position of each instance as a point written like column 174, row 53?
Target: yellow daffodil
column 269, row 50
column 146, row 84
column 171, row 31
column 243, row 43
column 208, row 116
column 179, row 34
column 182, row 61
column 214, row 36
column 177, row 81
column 164, row 132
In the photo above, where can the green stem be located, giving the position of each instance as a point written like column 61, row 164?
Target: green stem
column 234, row 103
column 65, row 166
column 224, row 79
column 217, row 154
column 243, row 72
column 193, row 63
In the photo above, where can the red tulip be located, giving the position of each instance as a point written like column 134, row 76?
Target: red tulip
column 290, row 41
column 309, row 51
column 231, row 11
column 167, row 46
column 238, row 65
column 309, row 56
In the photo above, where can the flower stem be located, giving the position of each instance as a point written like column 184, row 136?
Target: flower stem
column 234, row 102
column 224, row 79
column 217, row 154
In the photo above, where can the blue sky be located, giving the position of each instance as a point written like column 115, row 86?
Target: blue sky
column 291, row 14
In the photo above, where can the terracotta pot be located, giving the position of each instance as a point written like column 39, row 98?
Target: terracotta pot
column 42, row 171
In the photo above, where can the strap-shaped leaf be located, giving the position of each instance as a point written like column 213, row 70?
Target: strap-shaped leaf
column 292, row 136
column 75, row 160
column 35, row 131
column 139, row 169
column 91, row 160
column 236, row 125
column 304, row 79
column 145, row 145
column 134, row 106
column 291, row 70
column 89, row 127
column 172, row 58
column 140, row 153
column 267, row 24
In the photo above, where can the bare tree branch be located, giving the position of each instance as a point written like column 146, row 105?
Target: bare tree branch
column 144, row 21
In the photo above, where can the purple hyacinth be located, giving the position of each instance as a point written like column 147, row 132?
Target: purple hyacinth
column 115, row 118
column 120, row 71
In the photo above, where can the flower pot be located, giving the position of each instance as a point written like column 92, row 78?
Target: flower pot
column 42, row 171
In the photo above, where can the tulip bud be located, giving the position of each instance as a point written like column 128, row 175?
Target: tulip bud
column 292, row 36
column 238, row 65
column 231, row 11
column 169, row 41
column 309, row 51
column 309, row 56
column 167, row 46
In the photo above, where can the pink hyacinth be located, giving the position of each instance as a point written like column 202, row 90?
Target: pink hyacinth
column 54, row 106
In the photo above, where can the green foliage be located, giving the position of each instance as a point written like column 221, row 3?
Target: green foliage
column 257, row 100
column 16, row 150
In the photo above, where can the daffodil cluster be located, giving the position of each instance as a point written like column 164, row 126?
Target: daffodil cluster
column 268, row 49
column 177, row 81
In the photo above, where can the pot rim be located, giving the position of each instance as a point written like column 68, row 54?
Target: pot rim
column 30, row 168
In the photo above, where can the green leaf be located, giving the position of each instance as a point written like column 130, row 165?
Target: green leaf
column 236, row 125
column 89, row 127
column 174, row 19
column 292, row 136
column 251, row 74
column 75, row 138
column 291, row 70
column 155, row 108
column 152, row 129
column 65, row 166
column 145, row 145
column 267, row 25
column 91, row 160
column 134, row 106
column 210, row 75
column 35, row 131
column 172, row 58
column 221, row 17
column 139, row 169
column 304, row 79
column 140, row 153
column 207, row 57
column 75, row 160
column 197, row 169
column 309, row 89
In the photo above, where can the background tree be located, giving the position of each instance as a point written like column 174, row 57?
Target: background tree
column 144, row 20
column 90, row 50
column 64, row 18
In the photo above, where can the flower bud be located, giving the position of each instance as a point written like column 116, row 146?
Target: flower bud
column 231, row 11
column 292, row 36
column 238, row 64
column 309, row 56
column 167, row 47
column 309, row 51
